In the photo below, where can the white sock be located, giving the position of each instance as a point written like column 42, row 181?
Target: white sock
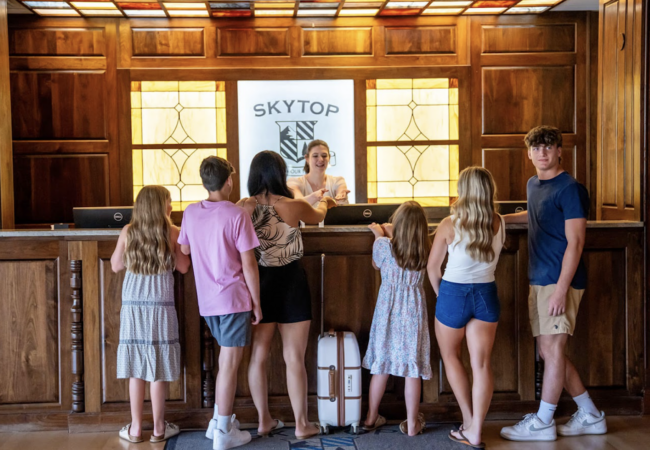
column 585, row 402
column 546, row 412
column 223, row 423
column 216, row 412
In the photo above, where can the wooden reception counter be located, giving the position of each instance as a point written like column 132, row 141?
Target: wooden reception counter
column 59, row 329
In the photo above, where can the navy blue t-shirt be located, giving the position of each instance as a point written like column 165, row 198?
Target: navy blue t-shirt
column 550, row 203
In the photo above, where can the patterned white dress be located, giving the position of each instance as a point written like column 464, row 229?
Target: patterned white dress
column 399, row 337
column 149, row 346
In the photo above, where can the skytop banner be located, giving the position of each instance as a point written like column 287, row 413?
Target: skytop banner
column 284, row 116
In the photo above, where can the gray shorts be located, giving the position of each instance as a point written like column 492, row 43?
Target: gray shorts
column 231, row 330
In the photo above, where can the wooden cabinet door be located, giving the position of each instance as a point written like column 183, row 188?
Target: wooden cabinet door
column 619, row 108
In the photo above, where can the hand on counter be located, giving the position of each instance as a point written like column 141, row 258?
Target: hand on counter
column 388, row 230
column 377, row 230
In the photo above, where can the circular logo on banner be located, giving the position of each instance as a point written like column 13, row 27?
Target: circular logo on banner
column 118, row 217
column 367, row 213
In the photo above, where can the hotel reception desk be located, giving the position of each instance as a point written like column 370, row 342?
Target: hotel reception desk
column 60, row 318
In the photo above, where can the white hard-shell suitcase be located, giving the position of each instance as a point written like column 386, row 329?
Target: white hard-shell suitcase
column 339, row 375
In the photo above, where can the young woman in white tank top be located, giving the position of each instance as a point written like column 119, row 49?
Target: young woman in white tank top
column 467, row 305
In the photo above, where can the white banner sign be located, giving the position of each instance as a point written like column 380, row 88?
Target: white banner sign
column 284, row 116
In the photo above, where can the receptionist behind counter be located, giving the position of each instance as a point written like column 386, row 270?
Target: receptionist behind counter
column 316, row 184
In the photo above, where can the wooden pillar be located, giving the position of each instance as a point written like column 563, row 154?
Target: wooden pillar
column 208, row 366
column 78, row 403
column 6, row 152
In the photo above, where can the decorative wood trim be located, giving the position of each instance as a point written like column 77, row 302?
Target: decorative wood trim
column 337, row 41
column 91, row 322
column 207, row 365
column 422, row 40
column 124, row 148
column 360, row 144
column 232, row 136
column 78, row 404
column 539, row 375
column 57, row 63
column 6, row 153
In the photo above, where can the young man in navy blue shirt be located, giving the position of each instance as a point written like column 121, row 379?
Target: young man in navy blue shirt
column 558, row 207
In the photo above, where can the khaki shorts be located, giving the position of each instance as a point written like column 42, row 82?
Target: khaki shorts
column 540, row 321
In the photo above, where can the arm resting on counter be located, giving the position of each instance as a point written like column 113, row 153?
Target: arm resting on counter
column 182, row 260
column 520, row 217
column 117, row 259
column 443, row 237
column 378, row 231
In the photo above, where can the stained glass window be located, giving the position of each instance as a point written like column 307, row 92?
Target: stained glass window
column 175, row 125
column 412, row 135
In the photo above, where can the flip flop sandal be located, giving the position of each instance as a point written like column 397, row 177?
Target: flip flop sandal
column 310, row 435
column 278, row 426
column 404, row 426
column 380, row 422
column 464, row 440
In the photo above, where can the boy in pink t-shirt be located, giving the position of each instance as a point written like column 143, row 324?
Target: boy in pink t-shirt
column 222, row 242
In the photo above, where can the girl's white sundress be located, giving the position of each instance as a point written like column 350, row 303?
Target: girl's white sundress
column 149, row 346
column 399, row 338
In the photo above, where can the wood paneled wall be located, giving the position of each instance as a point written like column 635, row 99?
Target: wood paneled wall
column 64, row 117
column 6, row 152
column 525, row 75
column 620, row 109
column 70, row 88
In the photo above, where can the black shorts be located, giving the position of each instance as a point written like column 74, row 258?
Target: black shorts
column 284, row 294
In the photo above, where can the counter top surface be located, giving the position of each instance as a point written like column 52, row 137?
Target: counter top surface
column 107, row 232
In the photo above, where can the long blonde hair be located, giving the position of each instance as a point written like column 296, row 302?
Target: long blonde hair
column 410, row 243
column 474, row 211
column 149, row 247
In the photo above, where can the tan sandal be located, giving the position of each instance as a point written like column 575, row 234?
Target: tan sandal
column 404, row 426
column 278, row 426
column 171, row 430
column 310, row 435
column 126, row 435
column 380, row 422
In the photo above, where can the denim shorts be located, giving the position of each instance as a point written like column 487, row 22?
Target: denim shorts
column 231, row 330
column 459, row 303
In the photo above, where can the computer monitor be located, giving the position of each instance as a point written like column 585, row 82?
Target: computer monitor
column 102, row 217
column 360, row 213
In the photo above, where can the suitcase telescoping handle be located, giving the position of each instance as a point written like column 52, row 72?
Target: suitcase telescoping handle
column 322, row 294
column 331, row 332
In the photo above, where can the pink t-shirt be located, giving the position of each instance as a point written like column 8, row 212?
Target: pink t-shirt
column 217, row 232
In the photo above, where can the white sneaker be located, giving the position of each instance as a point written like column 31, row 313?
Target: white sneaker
column 213, row 426
column 234, row 438
column 582, row 422
column 530, row 429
